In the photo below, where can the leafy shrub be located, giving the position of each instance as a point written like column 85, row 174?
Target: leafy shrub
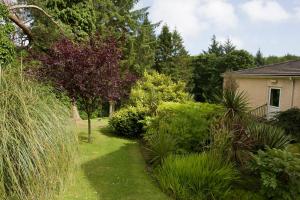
column 36, row 143
column 187, row 123
column 7, row 47
column 196, row 177
column 280, row 174
column 267, row 135
column 128, row 121
column 155, row 88
column 290, row 121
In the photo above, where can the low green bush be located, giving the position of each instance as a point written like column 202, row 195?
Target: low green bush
column 37, row 145
column 196, row 177
column 128, row 122
column 187, row 123
column 290, row 121
column 279, row 171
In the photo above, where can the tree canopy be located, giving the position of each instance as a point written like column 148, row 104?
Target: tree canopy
column 171, row 56
column 89, row 72
column 209, row 66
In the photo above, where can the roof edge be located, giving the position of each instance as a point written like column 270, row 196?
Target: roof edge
column 270, row 65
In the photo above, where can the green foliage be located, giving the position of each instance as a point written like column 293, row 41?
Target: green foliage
column 289, row 120
column 118, row 17
column 268, row 135
column 78, row 15
column 279, row 59
column 171, row 56
column 196, row 177
column 132, row 28
column 209, row 66
column 259, row 58
column 236, row 60
column 228, row 46
column 128, row 121
column 155, row 88
column 222, row 140
column 144, row 48
column 36, row 143
column 7, row 48
column 215, row 47
column 244, row 195
column 187, row 123
column 279, row 171
column 206, row 77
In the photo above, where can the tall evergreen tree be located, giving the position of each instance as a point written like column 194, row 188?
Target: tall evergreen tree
column 144, row 47
column 215, row 47
column 164, row 48
column 178, row 48
column 259, row 58
column 228, row 46
column 171, row 57
column 179, row 67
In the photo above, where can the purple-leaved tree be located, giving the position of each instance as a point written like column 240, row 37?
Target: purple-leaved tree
column 88, row 72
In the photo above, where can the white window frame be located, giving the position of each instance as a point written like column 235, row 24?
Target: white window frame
column 269, row 99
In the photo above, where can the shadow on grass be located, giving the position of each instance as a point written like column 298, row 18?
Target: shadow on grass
column 108, row 131
column 121, row 175
column 83, row 137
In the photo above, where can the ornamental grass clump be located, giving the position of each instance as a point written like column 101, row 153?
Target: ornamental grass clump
column 37, row 145
column 202, row 176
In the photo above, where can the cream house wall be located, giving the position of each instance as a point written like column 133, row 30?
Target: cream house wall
column 297, row 93
column 257, row 90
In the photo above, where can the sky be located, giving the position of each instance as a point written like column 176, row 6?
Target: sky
column 270, row 25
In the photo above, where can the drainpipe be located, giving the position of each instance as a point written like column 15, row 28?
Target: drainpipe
column 293, row 91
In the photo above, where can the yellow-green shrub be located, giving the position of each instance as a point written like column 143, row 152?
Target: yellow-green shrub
column 128, row 121
column 154, row 89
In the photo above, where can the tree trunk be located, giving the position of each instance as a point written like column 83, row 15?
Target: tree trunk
column 89, row 129
column 111, row 108
column 75, row 113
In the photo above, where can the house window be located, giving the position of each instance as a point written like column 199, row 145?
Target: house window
column 275, row 97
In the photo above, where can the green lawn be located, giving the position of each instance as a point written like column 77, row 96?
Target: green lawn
column 111, row 168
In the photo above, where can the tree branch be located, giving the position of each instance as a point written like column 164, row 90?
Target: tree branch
column 14, row 7
column 22, row 25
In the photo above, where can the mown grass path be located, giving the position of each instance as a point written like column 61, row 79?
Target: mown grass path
column 111, row 168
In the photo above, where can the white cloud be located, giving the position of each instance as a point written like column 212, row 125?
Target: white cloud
column 297, row 12
column 192, row 17
column 265, row 10
column 236, row 41
column 218, row 12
